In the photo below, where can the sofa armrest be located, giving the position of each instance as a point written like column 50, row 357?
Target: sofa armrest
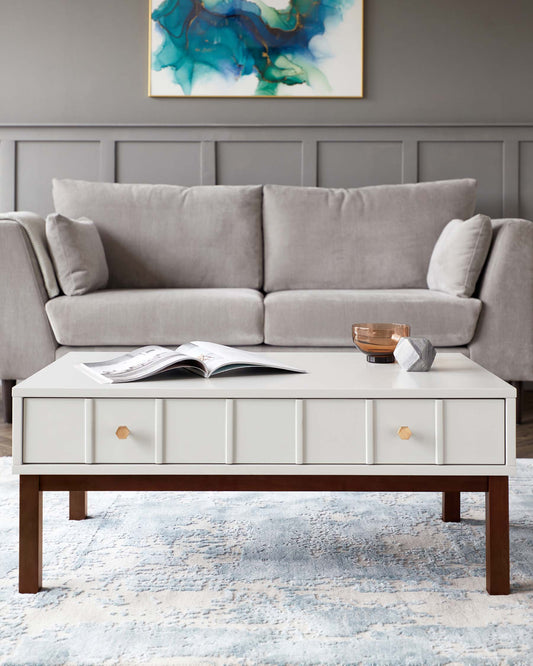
column 35, row 226
column 503, row 342
column 27, row 341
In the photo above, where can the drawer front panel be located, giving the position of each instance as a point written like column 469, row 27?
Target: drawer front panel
column 334, row 432
column 53, row 430
column 138, row 416
column 474, row 432
column 416, row 415
column 264, row 431
column 194, row 431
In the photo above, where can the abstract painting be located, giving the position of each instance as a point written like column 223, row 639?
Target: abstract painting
column 256, row 48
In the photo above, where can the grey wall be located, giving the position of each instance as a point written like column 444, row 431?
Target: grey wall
column 500, row 157
column 73, row 103
column 426, row 61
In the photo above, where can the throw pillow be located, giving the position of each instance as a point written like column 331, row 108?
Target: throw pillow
column 77, row 253
column 459, row 255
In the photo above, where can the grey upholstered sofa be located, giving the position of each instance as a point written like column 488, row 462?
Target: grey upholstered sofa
column 251, row 266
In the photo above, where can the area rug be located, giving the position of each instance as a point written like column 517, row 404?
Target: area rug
column 266, row 578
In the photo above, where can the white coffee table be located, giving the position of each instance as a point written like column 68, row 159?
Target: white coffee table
column 347, row 425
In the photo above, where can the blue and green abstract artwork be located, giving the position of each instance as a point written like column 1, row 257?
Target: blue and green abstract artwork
column 241, row 48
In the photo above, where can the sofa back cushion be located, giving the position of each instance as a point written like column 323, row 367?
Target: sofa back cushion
column 368, row 238
column 172, row 236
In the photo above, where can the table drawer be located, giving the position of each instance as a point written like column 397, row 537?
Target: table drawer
column 334, row 432
column 124, row 430
column 264, row 431
column 450, row 432
column 194, row 431
column 474, row 432
column 419, row 417
column 53, row 430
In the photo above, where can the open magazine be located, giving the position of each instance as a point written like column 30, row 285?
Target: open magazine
column 203, row 358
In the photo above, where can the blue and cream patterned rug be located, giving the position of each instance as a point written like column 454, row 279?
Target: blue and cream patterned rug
column 256, row 578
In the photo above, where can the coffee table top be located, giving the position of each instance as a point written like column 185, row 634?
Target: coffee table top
column 329, row 375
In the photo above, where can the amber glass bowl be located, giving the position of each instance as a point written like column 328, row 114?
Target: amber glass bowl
column 378, row 341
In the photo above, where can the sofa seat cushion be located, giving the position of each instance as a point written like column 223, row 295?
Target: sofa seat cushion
column 325, row 317
column 158, row 316
column 157, row 236
column 367, row 238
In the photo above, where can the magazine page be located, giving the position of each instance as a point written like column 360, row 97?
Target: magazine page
column 219, row 358
column 137, row 364
column 201, row 358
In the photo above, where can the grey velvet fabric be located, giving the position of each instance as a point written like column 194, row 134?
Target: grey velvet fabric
column 34, row 225
column 158, row 316
column 325, row 317
column 170, row 236
column 26, row 339
column 77, row 253
column 459, row 255
column 61, row 351
column 503, row 342
column 368, row 238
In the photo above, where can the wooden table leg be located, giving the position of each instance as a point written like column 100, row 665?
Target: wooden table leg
column 77, row 505
column 30, row 534
column 497, row 539
column 451, row 506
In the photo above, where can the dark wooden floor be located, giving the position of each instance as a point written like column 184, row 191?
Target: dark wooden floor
column 524, row 435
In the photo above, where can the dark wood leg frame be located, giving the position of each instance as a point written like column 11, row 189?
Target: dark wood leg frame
column 7, row 387
column 451, row 507
column 497, row 539
column 495, row 488
column 77, row 505
column 31, row 535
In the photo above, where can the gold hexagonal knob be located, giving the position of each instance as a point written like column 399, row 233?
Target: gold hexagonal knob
column 122, row 432
column 404, row 432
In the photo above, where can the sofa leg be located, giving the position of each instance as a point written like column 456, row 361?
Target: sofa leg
column 7, row 386
column 519, row 386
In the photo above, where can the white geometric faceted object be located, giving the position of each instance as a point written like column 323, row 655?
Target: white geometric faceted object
column 415, row 354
